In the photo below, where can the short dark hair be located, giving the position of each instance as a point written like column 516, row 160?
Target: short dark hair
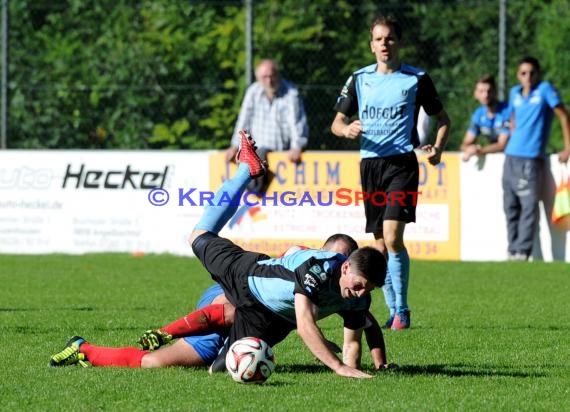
column 530, row 60
column 389, row 21
column 488, row 79
column 369, row 263
column 350, row 242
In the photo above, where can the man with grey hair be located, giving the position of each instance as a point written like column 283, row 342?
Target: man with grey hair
column 273, row 111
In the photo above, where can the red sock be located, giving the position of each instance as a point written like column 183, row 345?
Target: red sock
column 103, row 356
column 209, row 319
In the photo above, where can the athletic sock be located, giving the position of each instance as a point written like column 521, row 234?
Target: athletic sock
column 208, row 319
column 399, row 268
column 226, row 201
column 389, row 295
column 122, row 357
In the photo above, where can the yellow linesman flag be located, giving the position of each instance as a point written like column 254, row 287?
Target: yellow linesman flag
column 561, row 207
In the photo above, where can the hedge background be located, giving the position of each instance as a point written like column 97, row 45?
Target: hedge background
column 170, row 74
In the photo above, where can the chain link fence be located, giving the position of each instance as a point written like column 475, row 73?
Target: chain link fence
column 188, row 63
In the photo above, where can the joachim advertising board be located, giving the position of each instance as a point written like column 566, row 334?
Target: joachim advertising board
column 308, row 202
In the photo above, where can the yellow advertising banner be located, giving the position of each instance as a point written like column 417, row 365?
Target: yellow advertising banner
column 308, row 202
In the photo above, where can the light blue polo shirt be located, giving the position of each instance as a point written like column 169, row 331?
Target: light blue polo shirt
column 532, row 119
column 489, row 127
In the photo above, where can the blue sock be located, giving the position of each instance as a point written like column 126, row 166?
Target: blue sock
column 399, row 268
column 389, row 295
column 225, row 202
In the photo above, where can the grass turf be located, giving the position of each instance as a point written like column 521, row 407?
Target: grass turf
column 485, row 336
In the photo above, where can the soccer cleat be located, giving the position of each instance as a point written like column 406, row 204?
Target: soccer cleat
column 153, row 339
column 70, row 355
column 246, row 154
column 388, row 323
column 401, row 320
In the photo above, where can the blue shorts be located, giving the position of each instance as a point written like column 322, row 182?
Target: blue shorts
column 209, row 295
column 207, row 346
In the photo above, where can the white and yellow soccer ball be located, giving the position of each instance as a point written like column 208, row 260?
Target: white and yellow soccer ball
column 250, row 360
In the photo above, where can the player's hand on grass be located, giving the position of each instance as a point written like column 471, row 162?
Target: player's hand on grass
column 349, row 372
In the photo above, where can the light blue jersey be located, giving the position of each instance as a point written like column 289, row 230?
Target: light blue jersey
column 316, row 275
column 388, row 106
column 490, row 127
column 532, row 120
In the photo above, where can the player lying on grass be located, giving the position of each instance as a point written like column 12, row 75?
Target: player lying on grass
column 203, row 332
column 212, row 318
column 272, row 297
column 185, row 326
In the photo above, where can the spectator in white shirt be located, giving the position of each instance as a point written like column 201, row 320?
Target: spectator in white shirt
column 272, row 110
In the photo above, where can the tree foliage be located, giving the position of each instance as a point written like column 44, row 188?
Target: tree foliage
column 170, row 74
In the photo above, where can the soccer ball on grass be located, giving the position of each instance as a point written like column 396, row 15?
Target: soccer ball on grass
column 250, row 360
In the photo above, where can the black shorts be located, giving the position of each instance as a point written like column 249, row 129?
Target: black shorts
column 230, row 266
column 392, row 183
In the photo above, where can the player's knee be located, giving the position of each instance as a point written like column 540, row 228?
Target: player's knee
column 394, row 243
column 198, row 240
column 194, row 235
column 150, row 361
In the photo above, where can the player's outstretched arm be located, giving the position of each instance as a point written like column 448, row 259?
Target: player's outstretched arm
column 375, row 341
column 352, row 348
column 305, row 312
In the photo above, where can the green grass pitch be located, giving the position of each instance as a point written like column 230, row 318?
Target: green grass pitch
column 484, row 337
